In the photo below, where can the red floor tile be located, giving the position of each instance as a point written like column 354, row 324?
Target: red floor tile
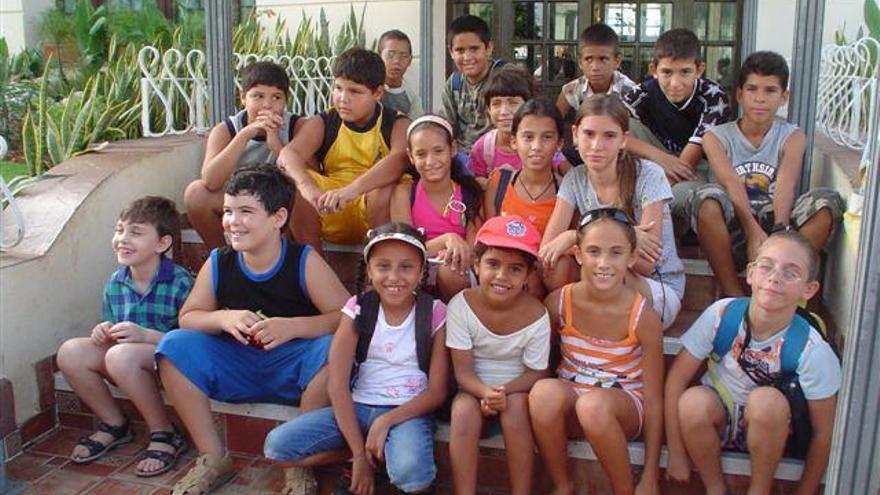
column 61, row 482
column 117, row 487
column 28, row 467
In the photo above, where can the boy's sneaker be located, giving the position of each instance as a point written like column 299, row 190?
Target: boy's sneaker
column 299, row 481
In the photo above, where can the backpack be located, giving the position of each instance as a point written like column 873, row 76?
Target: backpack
column 505, row 175
column 787, row 382
column 458, row 78
column 365, row 324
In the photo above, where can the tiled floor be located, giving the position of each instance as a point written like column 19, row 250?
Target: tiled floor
column 47, row 471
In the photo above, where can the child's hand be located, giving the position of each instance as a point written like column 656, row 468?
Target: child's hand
column 335, row 200
column 676, row 169
column 272, row 122
column 754, row 238
column 375, row 443
column 101, row 333
column 457, row 254
column 361, row 476
column 238, row 323
column 648, row 246
column 679, row 468
column 553, row 250
column 312, row 194
column 126, row 331
column 494, row 399
column 269, row 333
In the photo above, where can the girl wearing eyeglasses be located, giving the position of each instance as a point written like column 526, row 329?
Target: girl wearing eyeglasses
column 611, row 177
column 610, row 375
column 444, row 201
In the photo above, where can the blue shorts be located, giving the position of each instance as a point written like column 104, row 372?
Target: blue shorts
column 229, row 371
column 409, row 447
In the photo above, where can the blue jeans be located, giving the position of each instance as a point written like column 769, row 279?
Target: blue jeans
column 409, row 448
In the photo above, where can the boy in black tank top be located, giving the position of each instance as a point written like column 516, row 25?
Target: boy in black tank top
column 258, row 322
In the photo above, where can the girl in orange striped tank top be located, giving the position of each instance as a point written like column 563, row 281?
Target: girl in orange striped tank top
column 610, row 374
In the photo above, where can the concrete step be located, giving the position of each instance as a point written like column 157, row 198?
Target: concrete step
column 245, row 427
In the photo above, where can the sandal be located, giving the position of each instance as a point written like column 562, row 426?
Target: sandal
column 208, row 473
column 299, row 481
column 168, row 459
column 121, row 435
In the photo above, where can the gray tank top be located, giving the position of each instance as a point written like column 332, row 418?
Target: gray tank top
column 256, row 151
column 756, row 167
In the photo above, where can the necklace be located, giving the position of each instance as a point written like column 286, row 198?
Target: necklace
column 543, row 191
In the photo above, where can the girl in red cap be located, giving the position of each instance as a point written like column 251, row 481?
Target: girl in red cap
column 499, row 336
column 444, row 201
column 610, row 376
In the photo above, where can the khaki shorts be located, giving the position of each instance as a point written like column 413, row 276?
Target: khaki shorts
column 806, row 205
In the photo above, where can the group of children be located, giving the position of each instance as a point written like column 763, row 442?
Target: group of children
column 557, row 274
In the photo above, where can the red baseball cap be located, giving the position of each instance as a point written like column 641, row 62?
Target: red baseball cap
column 510, row 231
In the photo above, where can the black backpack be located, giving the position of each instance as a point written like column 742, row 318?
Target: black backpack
column 365, row 324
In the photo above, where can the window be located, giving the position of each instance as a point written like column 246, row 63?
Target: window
column 542, row 35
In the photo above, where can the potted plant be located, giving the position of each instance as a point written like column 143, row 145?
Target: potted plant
column 56, row 29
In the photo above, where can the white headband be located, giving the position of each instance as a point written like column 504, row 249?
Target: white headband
column 434, row 119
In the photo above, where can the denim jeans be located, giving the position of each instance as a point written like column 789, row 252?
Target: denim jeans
column 409, row 448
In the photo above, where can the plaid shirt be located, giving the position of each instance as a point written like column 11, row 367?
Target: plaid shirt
column 156, row 308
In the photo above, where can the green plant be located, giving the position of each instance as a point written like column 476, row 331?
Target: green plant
column 90, row 27
column 56, row 27
column 145, row 26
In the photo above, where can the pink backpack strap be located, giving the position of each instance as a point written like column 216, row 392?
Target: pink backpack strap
column 489, row 150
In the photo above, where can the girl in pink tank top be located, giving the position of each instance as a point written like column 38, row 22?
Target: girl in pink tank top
column 444, row 202
column 610, row 375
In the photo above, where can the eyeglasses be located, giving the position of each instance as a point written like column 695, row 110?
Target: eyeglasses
column 615, row 214
column 395, row 55
column 766, row 268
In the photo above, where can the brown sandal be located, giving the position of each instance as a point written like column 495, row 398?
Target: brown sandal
column 208, row 474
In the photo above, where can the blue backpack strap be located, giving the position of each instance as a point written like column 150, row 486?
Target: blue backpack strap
column 727, row 330
column 457, row 81
column 793, row 345
column 503, row 182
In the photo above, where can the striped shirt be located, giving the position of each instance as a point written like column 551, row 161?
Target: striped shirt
column 157, row 307
column 589, row 362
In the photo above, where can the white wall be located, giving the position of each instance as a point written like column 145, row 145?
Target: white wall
column 380, row 16
column 19, row 20
column 776, row 23
column 57, row 296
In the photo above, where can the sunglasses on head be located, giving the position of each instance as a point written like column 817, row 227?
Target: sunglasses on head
column 615, row 214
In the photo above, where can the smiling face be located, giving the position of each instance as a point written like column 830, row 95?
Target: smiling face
column 355, row 102
column 780, row 275
column 431, row 153
column 136, row 243
column 599, row 139
column 677, row 77
column 536, row 141
column 502, row 274
column 598, row 63
column 501, row 110
column 760, row 97
column 247, row 224
column 263, row 98
column 471, row 55
column 605, row 254
column 395, row 270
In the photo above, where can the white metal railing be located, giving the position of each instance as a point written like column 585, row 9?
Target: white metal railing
column 173, row 82
column 6, row 195
column 848, row 93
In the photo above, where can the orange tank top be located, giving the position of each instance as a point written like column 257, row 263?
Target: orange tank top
column 589, row 362
column 536, row 212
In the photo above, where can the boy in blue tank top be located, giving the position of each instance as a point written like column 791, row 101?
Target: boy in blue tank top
column 253, row 136
column 257, row 322
column 754, row 169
